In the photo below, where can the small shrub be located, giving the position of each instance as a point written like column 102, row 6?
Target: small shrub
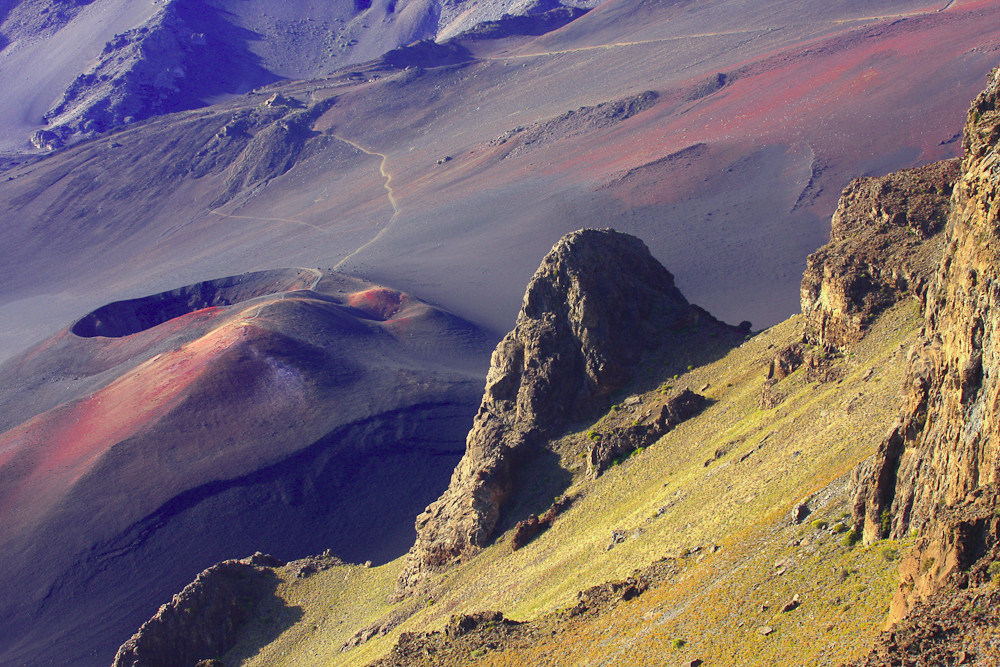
column 888, row 552
column 477, row 653
column 844, row 574
column 819, row 524
column 615, row 407
column 678, row 643
column 885, row 522
column 928, row 563
column 636, row 451
column 593, row 435
column 994, row 570
column 851, row 537
column 838, row 528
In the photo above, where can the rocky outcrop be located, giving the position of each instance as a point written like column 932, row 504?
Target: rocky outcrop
column 202, row 621
column 521, row 140
column 885, row 243
column 623, row 440
column 596, row 303
column 527, row 529
column 936, row 473
column 954, row 618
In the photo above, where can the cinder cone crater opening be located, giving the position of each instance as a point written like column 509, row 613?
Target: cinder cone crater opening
column 124, row 318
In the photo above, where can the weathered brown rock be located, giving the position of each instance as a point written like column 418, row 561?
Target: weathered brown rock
column 624, row 440
column 937, row 471
column 885, row 243
column 527, row 529
column 202, row 621
column 598, row 301
column 959, row 622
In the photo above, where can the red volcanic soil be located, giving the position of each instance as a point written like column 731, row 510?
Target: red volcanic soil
column 381, row 303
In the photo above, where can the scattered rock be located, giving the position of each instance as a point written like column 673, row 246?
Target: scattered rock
column 800, row 512
column 306, row 567
column 791, row 605
column 602, row 596
column 765, row 630
column 617, row 537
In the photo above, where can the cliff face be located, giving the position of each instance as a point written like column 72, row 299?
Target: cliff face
column 596, row 303
column 936, row 473
column 885, row 243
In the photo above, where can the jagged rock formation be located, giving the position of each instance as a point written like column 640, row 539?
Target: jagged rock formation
column 937, row 471
column 885, row 243
column 202, row 621
column 951, row 625
column 596, row 303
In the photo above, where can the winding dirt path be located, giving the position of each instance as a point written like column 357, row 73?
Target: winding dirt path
column 389, row 193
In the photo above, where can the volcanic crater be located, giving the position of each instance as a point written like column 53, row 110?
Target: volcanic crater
column 124, row 318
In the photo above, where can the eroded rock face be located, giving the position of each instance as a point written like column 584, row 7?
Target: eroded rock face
column 937, row 470
column 202, row 621
column 885, row 243
column 596, row 303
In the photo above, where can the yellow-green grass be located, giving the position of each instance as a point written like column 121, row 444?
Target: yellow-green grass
column 669, row 502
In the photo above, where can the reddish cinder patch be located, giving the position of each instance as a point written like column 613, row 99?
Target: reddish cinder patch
column 379, row 302
column 41, row 459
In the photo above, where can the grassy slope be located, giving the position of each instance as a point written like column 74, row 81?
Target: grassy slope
column 725, row 523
